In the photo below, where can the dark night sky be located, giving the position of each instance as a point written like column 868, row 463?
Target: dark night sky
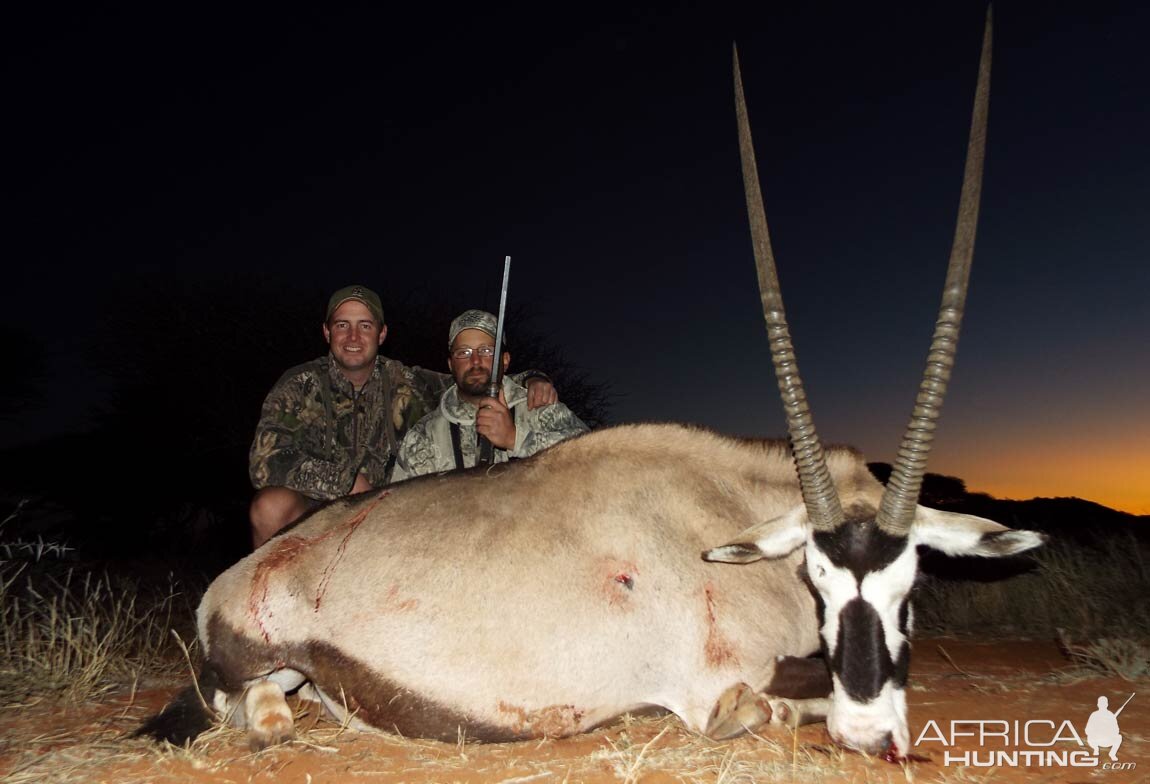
column 598, row 149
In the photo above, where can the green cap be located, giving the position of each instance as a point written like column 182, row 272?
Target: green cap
column 356, row 292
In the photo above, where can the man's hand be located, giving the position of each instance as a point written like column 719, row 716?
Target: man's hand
column 540, row 392
column 361, row 484
column 495, row 422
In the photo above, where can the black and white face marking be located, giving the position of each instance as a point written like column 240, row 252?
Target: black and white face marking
column 863, row 577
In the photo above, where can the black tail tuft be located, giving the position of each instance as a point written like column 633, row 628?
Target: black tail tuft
column 186, row 716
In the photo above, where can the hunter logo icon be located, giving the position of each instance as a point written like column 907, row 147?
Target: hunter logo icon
column 1102, row 728
column 1036, row 742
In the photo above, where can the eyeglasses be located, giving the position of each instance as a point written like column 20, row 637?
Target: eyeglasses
column 486, row 352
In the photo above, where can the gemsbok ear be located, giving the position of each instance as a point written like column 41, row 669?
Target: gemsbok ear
column 961, row 534
column 773, row 539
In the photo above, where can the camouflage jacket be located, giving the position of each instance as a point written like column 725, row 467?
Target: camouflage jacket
column 428, row 446
column 316, row 432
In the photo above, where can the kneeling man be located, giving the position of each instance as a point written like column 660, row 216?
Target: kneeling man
column 446, row 438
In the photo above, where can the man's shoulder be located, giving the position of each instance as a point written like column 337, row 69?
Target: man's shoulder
column 425, row 430
column 303, row 372
column 428, row 421
column 412, row 374
column 393, row 368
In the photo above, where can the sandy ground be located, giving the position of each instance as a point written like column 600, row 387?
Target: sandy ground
column 952, row 681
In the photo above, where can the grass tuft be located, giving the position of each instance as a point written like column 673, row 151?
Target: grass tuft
column 75, row 634
column 1123, row 658
column 1073, row 587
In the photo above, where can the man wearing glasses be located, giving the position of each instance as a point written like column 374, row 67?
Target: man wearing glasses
column 332, row 427
column 447, row 438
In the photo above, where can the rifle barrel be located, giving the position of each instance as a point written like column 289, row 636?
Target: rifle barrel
column 486, row 448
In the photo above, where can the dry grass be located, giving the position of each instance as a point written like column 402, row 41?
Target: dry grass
column 1122, row 658
column 643, row 749
column 1080, row 589
column 74, row 634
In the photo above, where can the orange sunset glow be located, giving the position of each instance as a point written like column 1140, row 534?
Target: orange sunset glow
column 1114, row 472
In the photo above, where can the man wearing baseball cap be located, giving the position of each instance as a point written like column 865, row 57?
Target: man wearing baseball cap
column 332, row 426
column 447, row 438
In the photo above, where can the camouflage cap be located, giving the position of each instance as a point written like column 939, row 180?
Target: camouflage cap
column 474, row 319
column 356, row 292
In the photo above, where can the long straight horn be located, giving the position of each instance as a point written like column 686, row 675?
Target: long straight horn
column 896, row 512
column 822, row 502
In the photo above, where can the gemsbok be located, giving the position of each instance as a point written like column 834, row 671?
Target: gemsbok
column 547, row 596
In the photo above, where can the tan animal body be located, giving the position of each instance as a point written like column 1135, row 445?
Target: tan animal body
column 543, row 597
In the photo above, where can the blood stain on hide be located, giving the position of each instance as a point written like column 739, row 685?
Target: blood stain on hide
column 717, row 651
column 283, row 550
column 392, row 602
column 618, row 580
column 341, row 549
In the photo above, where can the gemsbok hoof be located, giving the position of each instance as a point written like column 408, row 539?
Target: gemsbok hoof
column 738, row 710
column 269, row 720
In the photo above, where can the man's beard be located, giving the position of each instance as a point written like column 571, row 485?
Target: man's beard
column 474, row 382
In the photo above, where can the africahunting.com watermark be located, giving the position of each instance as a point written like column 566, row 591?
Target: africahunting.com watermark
column 1031, row 743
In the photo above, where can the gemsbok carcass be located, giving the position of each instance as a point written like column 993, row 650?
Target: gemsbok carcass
column 550, row 595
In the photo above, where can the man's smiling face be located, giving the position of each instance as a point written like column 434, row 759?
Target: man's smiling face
column 354, row 336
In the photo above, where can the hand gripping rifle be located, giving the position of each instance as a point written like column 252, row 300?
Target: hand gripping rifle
column 486, row 448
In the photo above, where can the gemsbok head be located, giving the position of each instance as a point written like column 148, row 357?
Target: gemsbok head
column 862, row 560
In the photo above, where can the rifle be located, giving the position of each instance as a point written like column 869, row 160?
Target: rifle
column 486, row 448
